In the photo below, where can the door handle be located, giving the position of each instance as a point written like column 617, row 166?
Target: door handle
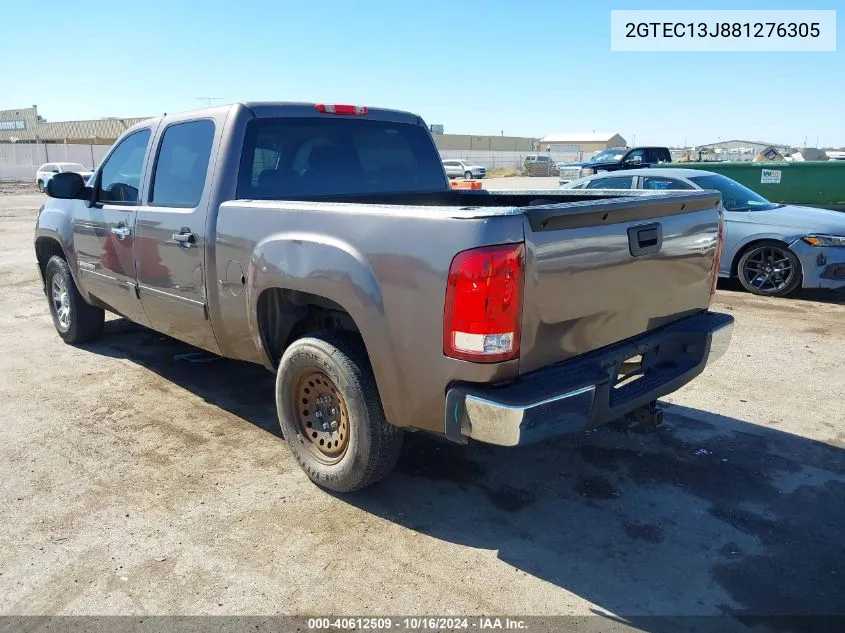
column 121, row 231
column 185, row 240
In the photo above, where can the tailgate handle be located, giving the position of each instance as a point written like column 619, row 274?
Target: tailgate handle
column 645, row 239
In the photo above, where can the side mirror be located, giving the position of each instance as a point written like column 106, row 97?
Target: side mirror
column 55, row 171
column 636, row 160
column 67, row 186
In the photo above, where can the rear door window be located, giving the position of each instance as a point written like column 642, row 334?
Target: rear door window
column 657, row 182
column 182, row 164
column 611, row 182
column 290, row 157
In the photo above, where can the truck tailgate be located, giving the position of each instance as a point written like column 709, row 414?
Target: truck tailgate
column 598, row 272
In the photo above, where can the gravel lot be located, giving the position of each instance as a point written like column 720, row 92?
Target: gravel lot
column 132, row 482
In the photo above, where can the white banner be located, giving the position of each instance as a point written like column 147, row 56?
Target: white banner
column 724, row 30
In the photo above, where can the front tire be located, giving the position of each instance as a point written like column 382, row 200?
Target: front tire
column 769, row 269
column 330, row 412
column 468, row 175
column 41, row 186
column 75, row 320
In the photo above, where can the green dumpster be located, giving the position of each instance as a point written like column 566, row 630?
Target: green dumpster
column 809, row 183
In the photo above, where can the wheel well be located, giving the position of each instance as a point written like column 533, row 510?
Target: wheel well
column 286, row 315
column 45, row 248
column 742, row 251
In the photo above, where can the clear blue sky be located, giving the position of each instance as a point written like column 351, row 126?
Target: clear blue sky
column 527, row 68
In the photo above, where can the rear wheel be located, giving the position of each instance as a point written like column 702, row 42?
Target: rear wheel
column 74, row 319
column 770, row 269
column 468, row 175
column 331, row 415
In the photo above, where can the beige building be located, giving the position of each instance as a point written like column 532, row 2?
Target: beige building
column 584, row 142
column 25, row 125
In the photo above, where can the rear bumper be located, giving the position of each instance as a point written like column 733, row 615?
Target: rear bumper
column 581, row 393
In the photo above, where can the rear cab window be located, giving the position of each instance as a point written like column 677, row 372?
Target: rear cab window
column 288, row 157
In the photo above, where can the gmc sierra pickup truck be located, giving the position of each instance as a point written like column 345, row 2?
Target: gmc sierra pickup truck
column 324, row 242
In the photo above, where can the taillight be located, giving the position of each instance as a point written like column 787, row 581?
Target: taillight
column 335, row 108
column 717, row 257
column 481, row 320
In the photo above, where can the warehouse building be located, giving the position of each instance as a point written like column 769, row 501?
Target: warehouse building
column 25, row 125
column 581, row 142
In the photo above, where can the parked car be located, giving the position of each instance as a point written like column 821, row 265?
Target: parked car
column 615, row 159
column 458, row 168
column 332, row 250
column 772, row 248
column 48, row 170
column 539, row 165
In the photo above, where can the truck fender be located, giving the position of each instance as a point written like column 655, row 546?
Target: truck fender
column 54, row 222
column 333, row 269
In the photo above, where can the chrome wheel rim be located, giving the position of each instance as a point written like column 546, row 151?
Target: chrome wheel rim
column 321, row 417
column 768, row 269
column 61, row 302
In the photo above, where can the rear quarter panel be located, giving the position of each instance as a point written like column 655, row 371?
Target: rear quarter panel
column 385, row 265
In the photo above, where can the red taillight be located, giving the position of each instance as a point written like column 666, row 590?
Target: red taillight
column 335, row 108
column 481, row 321
column 717, row 258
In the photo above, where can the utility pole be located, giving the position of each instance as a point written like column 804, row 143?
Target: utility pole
column 208, row 100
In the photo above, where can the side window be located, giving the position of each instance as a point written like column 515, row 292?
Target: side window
column 656, row 155
column 655, row 182
column 51, row 168
column 611, row 182
column 120, row 175
column 182, row 164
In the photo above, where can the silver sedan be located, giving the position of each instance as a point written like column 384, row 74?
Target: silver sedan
column 772, row 248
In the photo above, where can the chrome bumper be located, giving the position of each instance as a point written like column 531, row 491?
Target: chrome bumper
column 582, row 393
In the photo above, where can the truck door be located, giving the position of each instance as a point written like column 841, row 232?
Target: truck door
column 104, row 233
column 172, row 232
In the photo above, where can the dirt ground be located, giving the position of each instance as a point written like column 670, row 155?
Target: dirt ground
column 135, row 482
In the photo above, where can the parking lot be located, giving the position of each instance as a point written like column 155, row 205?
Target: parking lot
column 135, row 480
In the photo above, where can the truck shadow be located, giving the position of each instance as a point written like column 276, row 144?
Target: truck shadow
column 706, row 515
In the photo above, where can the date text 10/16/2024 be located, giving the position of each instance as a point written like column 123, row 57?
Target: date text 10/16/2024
column 417, row 623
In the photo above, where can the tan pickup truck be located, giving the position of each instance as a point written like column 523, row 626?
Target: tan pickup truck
column 324, row 242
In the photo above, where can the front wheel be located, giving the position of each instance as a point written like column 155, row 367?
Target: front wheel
column 770, row 269
column 75, row 320
column 468, row 175
column 40, row 186
column 330, row 412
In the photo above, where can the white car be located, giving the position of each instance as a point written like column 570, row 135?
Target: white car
column 48, row 170
column 458, row 168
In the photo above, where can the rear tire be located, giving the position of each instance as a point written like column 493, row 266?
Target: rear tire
column 75, row 320
column 468, row 175
column 769, row 269
column 330, row 412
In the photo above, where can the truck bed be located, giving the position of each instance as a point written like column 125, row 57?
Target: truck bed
column 584, row 287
